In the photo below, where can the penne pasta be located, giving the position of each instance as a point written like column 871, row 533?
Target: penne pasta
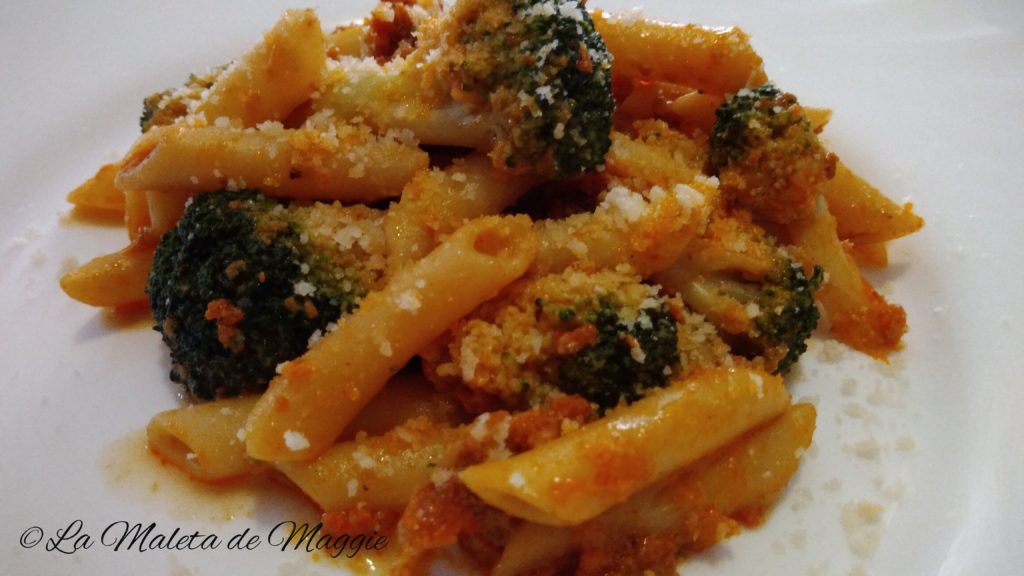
column 686, row 109
column 435, row 203
column 382, row 472
column 405, row 397
column 574, row 478
column 316, row 396
column 274, row 77
column 117, row 279
column 869, row 255
column 648, row 234
column 346, row 40
column 865, row 215
column 165, row 209
column 533, row 546
column 818, row 117
column 136, row 215
column 390, row 100
column 655, row 156
column 347, row 164
column 857, row 314
column 207, row 441
column 717, row 61
column 734, row 482
column 99, row 192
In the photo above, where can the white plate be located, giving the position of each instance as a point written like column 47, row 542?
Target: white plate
column 927, row 99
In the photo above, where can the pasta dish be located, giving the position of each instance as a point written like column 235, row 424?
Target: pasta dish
column 516, row 277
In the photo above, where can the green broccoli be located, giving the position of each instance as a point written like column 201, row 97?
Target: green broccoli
column 243, row 283
column 780, row 307
column 756, row 295
column 163, row 108
column 527, row 81
column 547, row 74
column 625, row 358
column 603, row 335
column 767, row 156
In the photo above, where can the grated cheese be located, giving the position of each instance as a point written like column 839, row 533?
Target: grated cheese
column 295, row 441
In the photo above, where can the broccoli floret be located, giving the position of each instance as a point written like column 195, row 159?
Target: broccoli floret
column 790, row 314
column 547, row 74
column 526, row 81
column 756, row 295
column 766, row 155
column 782, row 308
column 238, row 287
column 163, row 108
column 625, row 358
column 602, row 335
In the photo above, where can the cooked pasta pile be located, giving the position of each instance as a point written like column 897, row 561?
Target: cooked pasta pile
column 510, row 276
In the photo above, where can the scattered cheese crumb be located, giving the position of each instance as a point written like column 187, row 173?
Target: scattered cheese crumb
column 479, row 429
column 905, row 443
column 408, row 301
column 862, row 524
column 831, row 351
column 628, row 203
column 441, row 476
column 759, row 384
column 363, row 460
column 869, row 449
column 303, row 288
column 295, row 441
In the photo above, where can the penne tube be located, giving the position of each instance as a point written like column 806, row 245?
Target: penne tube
column 348, row 164
column 865, row 215
column 869, row 255
column 534, row 546
column 686, row 109
column 274, row 77
column 717, row 61
column 387, row 99
column 578, row 476
column 664, row 166
column 207, row 441
column 136, row 215
column 436, row 202
column 407, row 396
column 316, row 396
column 165, row 209
column 382, row 472
column 116, row 279
column 648, row 234
column 694, row 111
column 818, row 117
column 347, row 40
column 99, row 192
column 738, row 481
column 857, row 314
